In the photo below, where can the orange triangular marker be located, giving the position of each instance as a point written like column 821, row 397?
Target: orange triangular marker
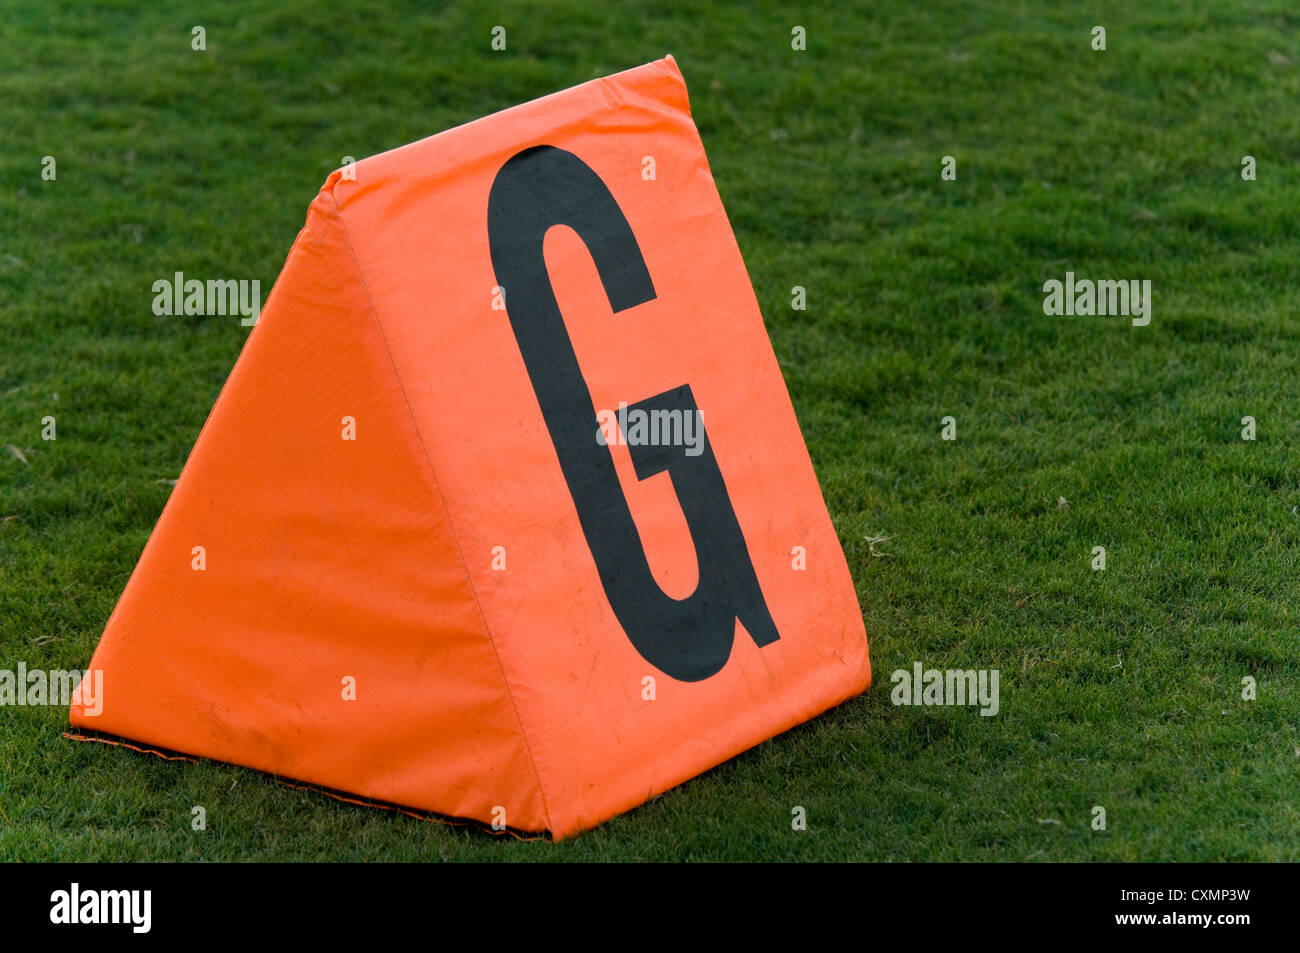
column 497, row 519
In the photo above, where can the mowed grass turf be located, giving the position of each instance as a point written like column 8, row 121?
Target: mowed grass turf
column 1120, row 689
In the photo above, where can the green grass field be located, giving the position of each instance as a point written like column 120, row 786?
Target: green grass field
column 1120, row 689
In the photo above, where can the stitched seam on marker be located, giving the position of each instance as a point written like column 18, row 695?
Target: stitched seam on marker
column 401, row 388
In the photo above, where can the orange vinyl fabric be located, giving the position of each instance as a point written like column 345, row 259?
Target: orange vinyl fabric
column 547, row 614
